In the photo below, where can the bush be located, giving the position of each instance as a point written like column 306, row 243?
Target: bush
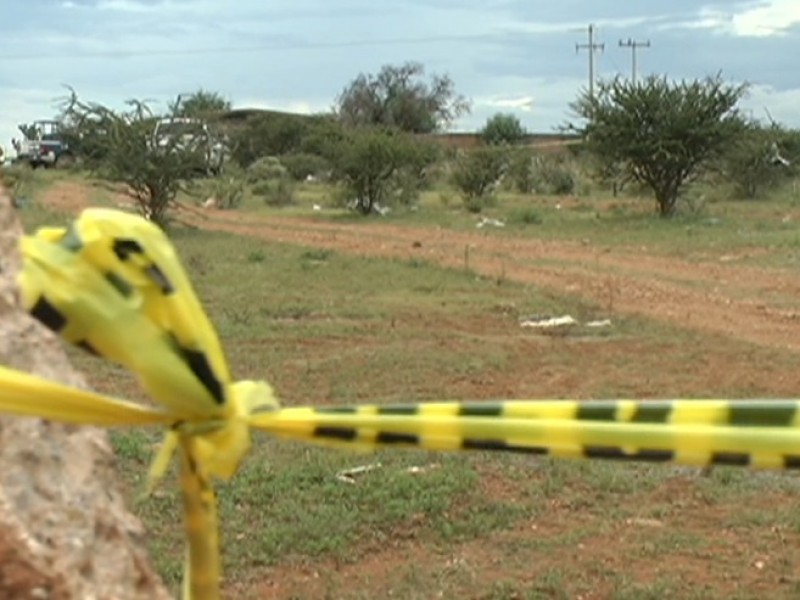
column 265, row 169
column 302, row 164
column 277, row 192
column 753, row 161
column 475, row 174
column 503, row 129
column 526, row 216
column 406, row 186
column 521, row 170
column 476, row 204
column 228, row 187
column 379, row 165
column 554, row 175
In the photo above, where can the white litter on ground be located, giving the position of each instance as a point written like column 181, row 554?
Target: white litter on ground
column 549, row 322
column 487, row 221
column 599, row 323
column 349, row 475
column 562, row 321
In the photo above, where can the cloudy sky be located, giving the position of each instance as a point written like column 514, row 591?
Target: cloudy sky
column 506, row 55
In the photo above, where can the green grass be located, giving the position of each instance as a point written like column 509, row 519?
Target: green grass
column 721, row 225
column 325, row 327
column 329, row 328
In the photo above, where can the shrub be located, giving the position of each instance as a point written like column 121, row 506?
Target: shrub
column 276, row 192
column 475, row 174
column 228, row 191
column 265, row 169
column 379, row 165
column 521, row 170
column 753, row 161
column 526, row 216
column 302, row 164
column 503, row 129
column 554, row 175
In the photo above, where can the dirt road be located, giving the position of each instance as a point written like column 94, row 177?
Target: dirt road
column 753, row 304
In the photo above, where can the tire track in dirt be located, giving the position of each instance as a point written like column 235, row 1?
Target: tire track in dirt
column 738, row 301
column 742, row 302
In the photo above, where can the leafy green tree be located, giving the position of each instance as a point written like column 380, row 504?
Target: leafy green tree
column 398, row 96
column 368, row 161
column 661, row 133
column 124, row 151
column 200, row 104
column 503, row 128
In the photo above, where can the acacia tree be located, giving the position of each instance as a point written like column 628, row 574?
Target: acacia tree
column 368, row 161
column 119, row 146
column 660, row 132
column 398, row 96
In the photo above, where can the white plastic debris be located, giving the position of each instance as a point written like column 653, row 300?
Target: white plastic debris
column 548, row 322
column 487, row 221
column 599, row 323
column 350, row 475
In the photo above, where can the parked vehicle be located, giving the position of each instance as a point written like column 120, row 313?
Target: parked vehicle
column 194, row 138
column 42, row 145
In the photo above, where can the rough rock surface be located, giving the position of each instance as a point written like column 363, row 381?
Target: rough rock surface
column 65, row 532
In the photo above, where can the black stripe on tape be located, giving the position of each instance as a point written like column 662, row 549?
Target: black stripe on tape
column 480, row 409
column 48, row 315
column 346, row 434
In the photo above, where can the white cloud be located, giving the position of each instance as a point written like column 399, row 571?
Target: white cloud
column 541, row 104
column 781, row 104
column 524, row 104
column 764, row 18
column 767, row 18
column 299, row 54
column 286, row 105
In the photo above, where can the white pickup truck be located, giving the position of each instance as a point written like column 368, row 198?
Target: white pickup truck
column 192, row 136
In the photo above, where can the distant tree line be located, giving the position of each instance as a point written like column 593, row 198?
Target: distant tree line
column 658, row 133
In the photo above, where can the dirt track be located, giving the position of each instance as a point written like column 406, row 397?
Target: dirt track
column 719, row 296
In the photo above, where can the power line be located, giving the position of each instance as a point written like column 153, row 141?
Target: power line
column 592, row 48
column 633, row 45
column 247, row 49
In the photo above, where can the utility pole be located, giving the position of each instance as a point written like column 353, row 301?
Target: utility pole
column 633, row 45
column 592, row 48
